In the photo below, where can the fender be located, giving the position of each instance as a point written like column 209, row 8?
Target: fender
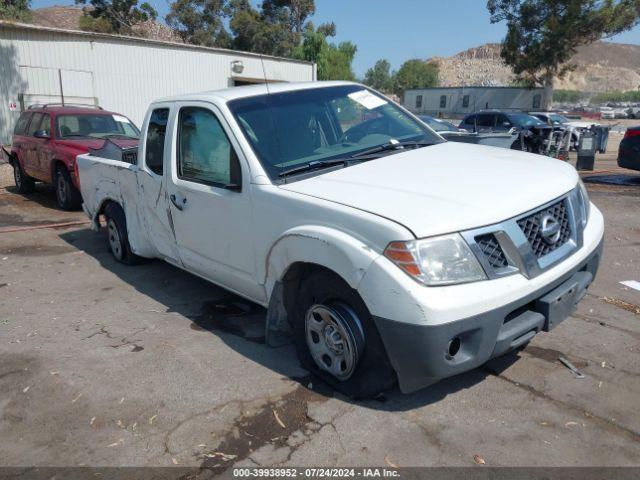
column 338, row 251
column 118, row 185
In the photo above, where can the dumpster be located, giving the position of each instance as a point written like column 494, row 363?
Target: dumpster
column 586, row 150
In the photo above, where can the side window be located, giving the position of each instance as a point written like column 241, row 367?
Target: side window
column 465, row 101
column 21, row 125
column 35, row 124
column 504, row 122
column 205, row 154
column 419, row 101
column 46, row 123
column 486, row 120
column 154, row 147
column 443, row 101
column 470, row 120
column 536, row 100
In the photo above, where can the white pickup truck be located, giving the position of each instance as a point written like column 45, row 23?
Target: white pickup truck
column 385, row 252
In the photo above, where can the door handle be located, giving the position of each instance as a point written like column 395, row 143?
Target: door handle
column 175, row 202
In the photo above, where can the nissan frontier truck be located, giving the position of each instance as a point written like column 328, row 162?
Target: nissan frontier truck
column 386, row 253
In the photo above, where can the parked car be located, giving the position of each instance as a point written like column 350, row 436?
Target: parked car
column 555, row 119
column 534, row 133
column 439, row 125
column 607, row 113
column 629, row 150
column 385, row 252
column 47, row 139
column 452, row 133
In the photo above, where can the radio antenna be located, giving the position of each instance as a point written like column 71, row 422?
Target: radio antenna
column 264, row 74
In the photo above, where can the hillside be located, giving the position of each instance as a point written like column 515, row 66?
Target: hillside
column 68, row 18
column 601, row 67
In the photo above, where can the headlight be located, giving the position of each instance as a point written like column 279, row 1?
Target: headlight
column 444, row 260
column 585, row 204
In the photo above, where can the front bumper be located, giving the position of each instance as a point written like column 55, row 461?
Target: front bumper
column 420, row 353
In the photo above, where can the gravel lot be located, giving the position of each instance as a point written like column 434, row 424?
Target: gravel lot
column 107, row 365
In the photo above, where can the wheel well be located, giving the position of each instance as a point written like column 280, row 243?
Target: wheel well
column 54, row 166
column 293, row 277
column 103, row 207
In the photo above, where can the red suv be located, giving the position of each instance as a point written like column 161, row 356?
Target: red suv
column 47, row 139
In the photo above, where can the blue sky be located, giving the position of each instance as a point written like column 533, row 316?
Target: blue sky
column 402, row 29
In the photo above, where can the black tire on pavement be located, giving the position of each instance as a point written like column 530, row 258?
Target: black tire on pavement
column 118, row 236
column 24, row 183
column 325, row 293
column 67, row 195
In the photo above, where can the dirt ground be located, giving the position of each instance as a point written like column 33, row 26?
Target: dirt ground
column 107, row 365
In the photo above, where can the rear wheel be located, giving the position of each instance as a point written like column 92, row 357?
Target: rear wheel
column 24, row 183
column 118, row 236
column 336, row 337
column 67, row 194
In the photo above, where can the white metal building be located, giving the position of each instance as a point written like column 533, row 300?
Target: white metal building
column 121, row 74
column 452, row 102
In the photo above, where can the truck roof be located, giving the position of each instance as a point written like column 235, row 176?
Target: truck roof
column 233, row 93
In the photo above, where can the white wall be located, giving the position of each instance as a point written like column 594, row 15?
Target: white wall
column 120, row 74
column 479, row 98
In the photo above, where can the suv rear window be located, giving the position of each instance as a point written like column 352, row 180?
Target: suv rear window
column 21, row 125
column 34, row 124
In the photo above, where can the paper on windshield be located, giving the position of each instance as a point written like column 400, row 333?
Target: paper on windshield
column 367, row 99
column 121, row 119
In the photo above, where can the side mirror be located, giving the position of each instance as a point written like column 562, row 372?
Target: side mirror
column 41, row 134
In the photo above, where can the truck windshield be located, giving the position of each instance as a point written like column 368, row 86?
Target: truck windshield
column 289, row 129
column 95, row 126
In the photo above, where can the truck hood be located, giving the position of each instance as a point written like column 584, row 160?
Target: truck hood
column 445, row 188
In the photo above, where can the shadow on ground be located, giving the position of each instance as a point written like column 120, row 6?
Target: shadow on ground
column 240, row 324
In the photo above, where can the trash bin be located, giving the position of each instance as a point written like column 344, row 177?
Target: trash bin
column 586, row 151
column 602, row 138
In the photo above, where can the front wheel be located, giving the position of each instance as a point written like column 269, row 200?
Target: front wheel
column 336, row 337
column 67, row 194
column 24, row 183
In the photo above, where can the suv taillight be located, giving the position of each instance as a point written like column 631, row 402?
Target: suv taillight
column 632, row 132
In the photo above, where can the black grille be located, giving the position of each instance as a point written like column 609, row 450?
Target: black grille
column 491, row 249
column 531, row 226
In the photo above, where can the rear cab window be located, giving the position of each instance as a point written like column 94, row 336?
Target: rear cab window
column 155, row 141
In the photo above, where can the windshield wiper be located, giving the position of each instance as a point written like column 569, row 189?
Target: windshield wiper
column 390, row 146
column 317, row 164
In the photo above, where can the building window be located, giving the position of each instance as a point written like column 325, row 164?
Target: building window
column 419, row 101
column 443, row 101
column 465, row 101
column 536, row 101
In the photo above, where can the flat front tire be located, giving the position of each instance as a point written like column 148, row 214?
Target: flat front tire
column 336, row 337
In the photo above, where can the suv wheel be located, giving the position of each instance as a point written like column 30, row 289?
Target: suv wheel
column 336, row 338
column 67, row 195
column 24, row 183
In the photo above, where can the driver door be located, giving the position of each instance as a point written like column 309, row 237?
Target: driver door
column 209, row 200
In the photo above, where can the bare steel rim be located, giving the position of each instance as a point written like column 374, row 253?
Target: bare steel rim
column 335, row 338
column 114, row 239
column 62, row 188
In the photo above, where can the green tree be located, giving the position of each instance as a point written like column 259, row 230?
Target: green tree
column 200, row 22
column 542, row 35
column 115, row 16
column 333, row 61
column 17, row 10
column 416, row 74
column 379, row 76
